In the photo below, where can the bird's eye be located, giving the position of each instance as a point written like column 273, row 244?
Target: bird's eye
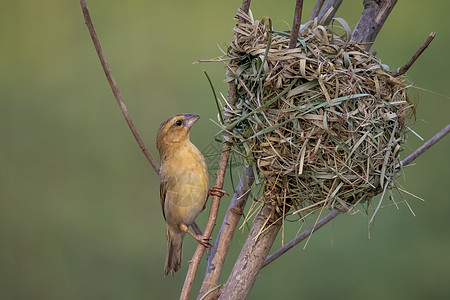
column 178, row 122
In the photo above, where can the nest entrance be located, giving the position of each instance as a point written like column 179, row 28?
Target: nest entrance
column 323, row 123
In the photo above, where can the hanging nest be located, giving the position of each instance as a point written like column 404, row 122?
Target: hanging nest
column 323, row 123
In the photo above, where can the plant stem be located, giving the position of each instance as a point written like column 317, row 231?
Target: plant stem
column 115, row 88
column 416, row 55
column 297, row 23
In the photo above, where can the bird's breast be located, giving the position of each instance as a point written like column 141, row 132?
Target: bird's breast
column 185, row 178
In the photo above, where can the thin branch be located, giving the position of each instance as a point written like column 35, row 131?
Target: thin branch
column 416, row 55
column 297, row 23
column 305, row 234
column 114, row 87
column 334, row 213
column 220, row 249
column 328, row 5
column 246, row 6
column 195, row 261
column 316, row 9
column 427, row 145
column 372, row 19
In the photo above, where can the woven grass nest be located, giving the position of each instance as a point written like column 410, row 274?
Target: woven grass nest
column 323, row 123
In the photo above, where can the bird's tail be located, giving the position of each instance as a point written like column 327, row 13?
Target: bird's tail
column 174, row 250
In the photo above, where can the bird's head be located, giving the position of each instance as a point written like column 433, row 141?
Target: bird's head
column 175, row 129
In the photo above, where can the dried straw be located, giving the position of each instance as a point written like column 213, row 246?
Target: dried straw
column 323, row 123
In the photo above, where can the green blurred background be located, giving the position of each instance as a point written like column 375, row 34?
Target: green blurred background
column 80, row 216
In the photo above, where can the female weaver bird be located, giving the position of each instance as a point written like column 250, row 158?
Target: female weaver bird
column 183, row 185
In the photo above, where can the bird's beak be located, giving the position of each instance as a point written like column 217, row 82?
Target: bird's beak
column 190, row 119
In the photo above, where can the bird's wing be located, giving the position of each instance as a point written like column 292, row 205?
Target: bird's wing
column 162, row 194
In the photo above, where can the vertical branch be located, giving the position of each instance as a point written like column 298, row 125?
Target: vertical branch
column 334, row 4
column 254, row 252
column 246, row 6
column 297, row 23
column 372, row 19
column 316, row 9
column 219, row 251
column 193, row 266
column 115, row 88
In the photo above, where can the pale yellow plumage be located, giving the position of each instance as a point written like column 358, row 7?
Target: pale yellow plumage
column 184, row 184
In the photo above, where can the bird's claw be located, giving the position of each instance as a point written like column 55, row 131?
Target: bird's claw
column 204, row 240
column 218, row 192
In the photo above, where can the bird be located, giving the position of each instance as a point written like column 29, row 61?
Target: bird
column 183, row 185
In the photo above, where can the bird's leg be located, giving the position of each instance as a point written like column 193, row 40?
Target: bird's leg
column 216, row 191
column 202, row 240
column 196, row 229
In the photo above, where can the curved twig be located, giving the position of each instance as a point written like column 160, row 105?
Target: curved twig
column 115, row 88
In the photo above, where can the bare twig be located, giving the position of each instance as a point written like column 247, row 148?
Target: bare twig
column 427, row 145
column 329, row 4
column 296, row 24
column 219, row 251
column 195, row 261
column 246, row 6
column 334, row 213
column 114, row 87
column 372, row 19
column 316, row 9
column 416, row 55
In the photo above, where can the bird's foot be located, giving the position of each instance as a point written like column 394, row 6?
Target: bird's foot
column 203, row 240
column 218, row 192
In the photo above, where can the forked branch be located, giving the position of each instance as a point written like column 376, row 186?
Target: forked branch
column 216, row 258
column 372, row 19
